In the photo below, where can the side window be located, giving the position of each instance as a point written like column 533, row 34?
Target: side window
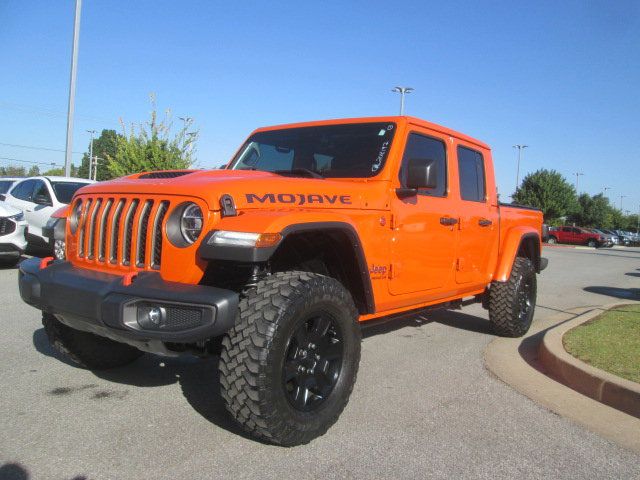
column 419, row 146
column 23, row 190
column 41, row 189
column 567, row 229
column 577, row 230
column 471, row 173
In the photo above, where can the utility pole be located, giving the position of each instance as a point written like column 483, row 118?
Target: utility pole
column 95, row 168
column 402, row 91
column 638, row 221
column 604, row 191
column 520, row 148
column 92, row 132
column 578, row 175
column 621, row 197
column 72, row 89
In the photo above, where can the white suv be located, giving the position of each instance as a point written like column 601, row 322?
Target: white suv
column 39, row 197
column 12, row 241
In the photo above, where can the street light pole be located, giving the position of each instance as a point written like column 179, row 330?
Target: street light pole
column 92, row 132
column 520, row 148
column 578, row 175
column 621, row 197
column 402, row 91
column 72, row 89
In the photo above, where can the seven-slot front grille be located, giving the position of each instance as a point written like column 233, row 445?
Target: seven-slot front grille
column 122, row 231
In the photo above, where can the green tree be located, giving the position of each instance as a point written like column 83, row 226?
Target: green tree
column 104, row 147
column 34, row 171
column 151, row 146
column 549, row 191
column 593, row 211
column 13, row 171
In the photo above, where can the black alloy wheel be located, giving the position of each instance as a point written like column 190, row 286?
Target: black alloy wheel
column 313, row 362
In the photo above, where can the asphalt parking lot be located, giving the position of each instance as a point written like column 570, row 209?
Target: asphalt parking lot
column 424, row 405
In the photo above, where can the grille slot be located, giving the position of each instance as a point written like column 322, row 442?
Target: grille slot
column 102, row 239
column 128, row 232
column 156, row 239
column 141, row 240
column 115, row 231
column 83, row 221
column 92, row 229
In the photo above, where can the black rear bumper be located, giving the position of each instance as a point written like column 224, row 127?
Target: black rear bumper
column 100, row 303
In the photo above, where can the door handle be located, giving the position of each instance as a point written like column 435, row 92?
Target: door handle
column 448, row 221
column 484, row 222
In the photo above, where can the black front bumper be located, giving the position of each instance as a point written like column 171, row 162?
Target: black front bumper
column 100, row 303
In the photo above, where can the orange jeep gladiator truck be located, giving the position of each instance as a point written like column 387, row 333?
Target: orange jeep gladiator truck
column 275, row 261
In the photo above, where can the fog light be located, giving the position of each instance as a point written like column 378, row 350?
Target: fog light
column 151, row 317
column 155, row 315
column 59, row 249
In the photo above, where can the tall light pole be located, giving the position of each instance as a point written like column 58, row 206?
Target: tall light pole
column 520, row 149
column 402, row 91
column 92, row 132
column 621, row 197
column 578, row 175
column 72, row 89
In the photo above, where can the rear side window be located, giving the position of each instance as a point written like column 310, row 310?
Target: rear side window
column 471, row 172
column 419, row 146
column 24, row 190
column 567, row 229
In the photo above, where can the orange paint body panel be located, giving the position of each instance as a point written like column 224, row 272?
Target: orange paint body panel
column 421, row 249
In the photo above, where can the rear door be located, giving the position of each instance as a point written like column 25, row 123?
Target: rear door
column 424, row 233
column 478, row 227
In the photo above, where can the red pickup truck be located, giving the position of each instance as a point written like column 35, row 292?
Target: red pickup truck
column 575, row 235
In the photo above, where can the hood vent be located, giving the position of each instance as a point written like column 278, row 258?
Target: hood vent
column 168, row 174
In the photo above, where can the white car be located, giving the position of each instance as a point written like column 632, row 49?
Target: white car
column 12, row 240
column 38, row 198
column 5, row 185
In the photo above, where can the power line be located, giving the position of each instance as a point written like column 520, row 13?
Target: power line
column 51, row 113
column 29, row 161
column 37, row 148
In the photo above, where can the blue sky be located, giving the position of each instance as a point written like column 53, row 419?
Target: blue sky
column 562, row 77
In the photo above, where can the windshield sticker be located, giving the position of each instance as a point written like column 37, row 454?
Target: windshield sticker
column 382, row 132
column 378, row 162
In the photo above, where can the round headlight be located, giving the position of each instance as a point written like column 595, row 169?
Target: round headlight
column 75, row 216
column 191, row 223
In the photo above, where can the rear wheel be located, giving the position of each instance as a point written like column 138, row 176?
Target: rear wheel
column 85, row 349
column 512, row 303
column 592, row 243
column 289, row 364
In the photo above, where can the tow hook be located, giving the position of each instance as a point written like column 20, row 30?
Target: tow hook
column 45, row 262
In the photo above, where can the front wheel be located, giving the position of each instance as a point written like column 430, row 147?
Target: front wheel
column 512, row 303
column 288, row 366
column 552, row 240
column 592, row 243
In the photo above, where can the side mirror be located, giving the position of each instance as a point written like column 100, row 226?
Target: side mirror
column 42, row 200
column 2, row 198
column 421, row 173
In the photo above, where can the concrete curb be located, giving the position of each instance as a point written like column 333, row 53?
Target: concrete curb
column 516, row 362
column 602, row 386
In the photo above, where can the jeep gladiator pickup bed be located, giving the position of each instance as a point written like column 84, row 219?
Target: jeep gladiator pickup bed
column 274, row 261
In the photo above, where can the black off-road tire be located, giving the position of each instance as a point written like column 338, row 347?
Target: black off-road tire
column 507, row 313
column 87, row 350
column 256, row 350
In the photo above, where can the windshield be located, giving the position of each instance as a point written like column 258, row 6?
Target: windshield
column 339, row 151
column 64, row 190
column 5, row 185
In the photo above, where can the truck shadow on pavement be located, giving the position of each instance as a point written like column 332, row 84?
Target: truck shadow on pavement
column 198, row 378
column 616, row 292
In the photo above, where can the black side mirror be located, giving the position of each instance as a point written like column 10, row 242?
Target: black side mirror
column 42, row 200
column 421, row 173
column 2, row 198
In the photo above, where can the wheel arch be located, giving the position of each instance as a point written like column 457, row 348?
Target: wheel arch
column 519, row 242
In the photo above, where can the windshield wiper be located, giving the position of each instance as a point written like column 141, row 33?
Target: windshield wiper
column 299, row 171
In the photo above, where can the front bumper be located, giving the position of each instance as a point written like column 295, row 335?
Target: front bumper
column 101, row 303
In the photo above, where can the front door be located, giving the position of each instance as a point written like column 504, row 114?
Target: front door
column 423, row 242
